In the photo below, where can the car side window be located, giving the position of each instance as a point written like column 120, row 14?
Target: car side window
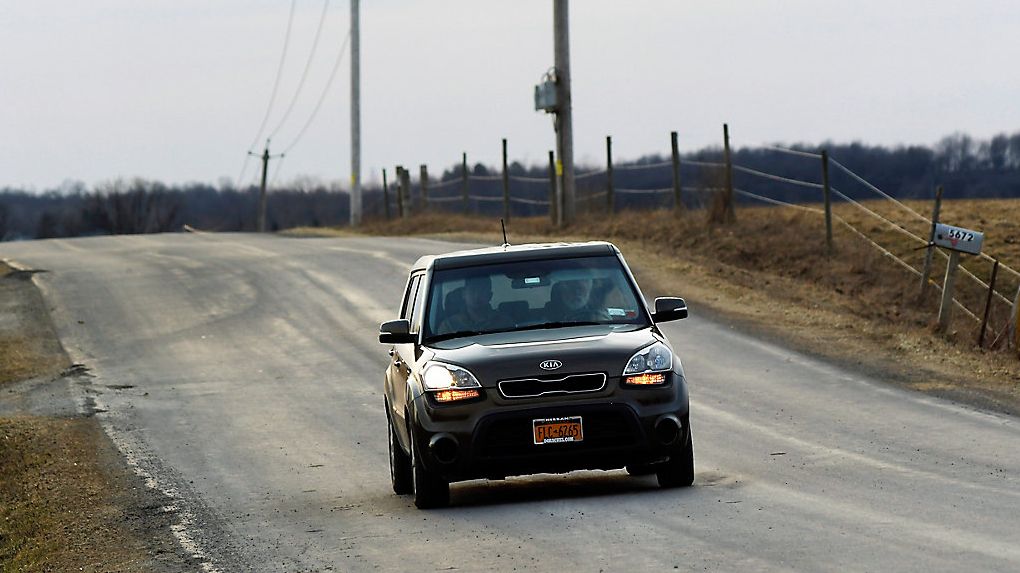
column 409, row 298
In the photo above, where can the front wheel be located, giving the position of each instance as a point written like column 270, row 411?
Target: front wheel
column 400, row 464
column 430, row 490
column 679, row 470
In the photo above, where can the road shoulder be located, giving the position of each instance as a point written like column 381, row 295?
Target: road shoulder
column 69, row 500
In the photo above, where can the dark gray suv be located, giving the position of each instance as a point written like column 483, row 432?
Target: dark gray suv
column 530, row 359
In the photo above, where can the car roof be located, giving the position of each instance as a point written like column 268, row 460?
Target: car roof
column 508, row 253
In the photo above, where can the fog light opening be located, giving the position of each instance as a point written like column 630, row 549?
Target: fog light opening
column 444, row 448
column 667, row 430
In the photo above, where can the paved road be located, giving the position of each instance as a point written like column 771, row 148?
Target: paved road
column 240, row 374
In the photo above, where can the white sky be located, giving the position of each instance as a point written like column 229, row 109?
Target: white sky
column 174, row 90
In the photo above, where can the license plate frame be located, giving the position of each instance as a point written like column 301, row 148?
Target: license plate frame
column 562, row 430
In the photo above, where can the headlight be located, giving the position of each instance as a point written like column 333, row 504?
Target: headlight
column 648, row 367
column 449, row 383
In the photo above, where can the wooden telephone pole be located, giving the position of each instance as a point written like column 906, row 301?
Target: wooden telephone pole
column 261, row 222
column 355, row 115
column 564, row 112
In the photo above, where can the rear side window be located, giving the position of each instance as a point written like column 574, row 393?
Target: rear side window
column 419, row 301
column 409, row 296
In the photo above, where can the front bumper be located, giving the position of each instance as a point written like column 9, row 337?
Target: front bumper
column 492, row 437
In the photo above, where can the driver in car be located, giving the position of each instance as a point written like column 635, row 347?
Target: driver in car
column 478, row 314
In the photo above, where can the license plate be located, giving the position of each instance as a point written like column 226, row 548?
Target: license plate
column 557, row 430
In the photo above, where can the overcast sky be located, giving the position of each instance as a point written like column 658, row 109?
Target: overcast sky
column 175, row 90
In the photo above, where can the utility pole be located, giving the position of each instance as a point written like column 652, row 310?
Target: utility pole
column 261, row 222
column 355, row 116
column 564, row 113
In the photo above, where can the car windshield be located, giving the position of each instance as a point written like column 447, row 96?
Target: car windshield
column 531, row 295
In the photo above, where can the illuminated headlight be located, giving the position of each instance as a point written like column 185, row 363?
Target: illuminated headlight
column 648, row 366
column 449, row 383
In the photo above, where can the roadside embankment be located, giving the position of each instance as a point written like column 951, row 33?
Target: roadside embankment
column 67, row 500
column 769, row 272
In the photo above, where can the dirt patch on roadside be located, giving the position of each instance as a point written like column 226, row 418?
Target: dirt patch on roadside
column 67, row 505
column 29, row 347
column 68, row 502
column 770, row 273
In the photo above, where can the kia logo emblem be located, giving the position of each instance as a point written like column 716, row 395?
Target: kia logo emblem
column 550, row 365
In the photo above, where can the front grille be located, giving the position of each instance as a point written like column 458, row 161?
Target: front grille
column 604, row 427
column 535, row 387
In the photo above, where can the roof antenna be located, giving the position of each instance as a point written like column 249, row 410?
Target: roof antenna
column 506, row 243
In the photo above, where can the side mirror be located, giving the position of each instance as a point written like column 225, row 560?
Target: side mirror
column 396, row 332
column 669, row 308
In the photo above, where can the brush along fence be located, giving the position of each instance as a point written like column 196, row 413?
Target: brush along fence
column 987, row 294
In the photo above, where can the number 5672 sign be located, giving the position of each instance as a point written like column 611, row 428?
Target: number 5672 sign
column 958, row 239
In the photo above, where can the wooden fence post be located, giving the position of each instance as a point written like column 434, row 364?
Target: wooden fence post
column 464, row 181
column 946, row 308
column 506, row 187
column 1014, row 323
column 423, row 175
column 385, row 195
column 610, row 204
column 988, row 303
column 553, row 202
column 677, row 205
column 930, row 251
column 400, row 191
column 730, row 214
column 405, row 186
column 828, row 200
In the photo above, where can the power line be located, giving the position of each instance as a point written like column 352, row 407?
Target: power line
column 276, row 86
column 322, row 96
column 304, row 74
column 276, row 172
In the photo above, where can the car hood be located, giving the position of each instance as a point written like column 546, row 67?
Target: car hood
column 511, row 355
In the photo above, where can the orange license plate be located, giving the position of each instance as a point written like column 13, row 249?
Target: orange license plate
column 558, row 430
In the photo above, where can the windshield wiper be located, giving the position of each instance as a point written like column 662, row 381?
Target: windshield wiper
column 560, row 324
column 463, row 333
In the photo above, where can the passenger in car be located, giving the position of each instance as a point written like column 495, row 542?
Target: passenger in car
column 476, row 313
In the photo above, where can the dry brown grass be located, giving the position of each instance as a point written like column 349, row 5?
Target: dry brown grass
column 28, row 345
column 58, row 511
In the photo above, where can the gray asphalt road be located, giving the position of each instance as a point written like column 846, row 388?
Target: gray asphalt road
column 241, row 376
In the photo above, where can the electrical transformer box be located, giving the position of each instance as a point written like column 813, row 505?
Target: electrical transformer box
column 545, row 96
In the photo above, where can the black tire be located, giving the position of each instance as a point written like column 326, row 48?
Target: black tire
column 400, row 464
column 679, row 470
column 430, row 490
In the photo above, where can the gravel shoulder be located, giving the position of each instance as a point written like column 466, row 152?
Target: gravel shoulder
column 68, row 501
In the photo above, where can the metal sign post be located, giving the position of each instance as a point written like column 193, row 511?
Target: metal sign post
column 957, row 240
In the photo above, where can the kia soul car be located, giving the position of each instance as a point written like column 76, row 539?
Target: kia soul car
column 527, row 359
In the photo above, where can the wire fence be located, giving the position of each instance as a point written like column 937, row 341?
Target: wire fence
column 894, row 229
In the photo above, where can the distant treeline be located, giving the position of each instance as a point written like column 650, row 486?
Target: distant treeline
column 967, row 168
